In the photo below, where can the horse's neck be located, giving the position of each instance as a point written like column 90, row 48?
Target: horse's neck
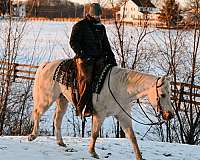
column 118, row 81
column 138, row 84
column 131, row 84
column 119, row 76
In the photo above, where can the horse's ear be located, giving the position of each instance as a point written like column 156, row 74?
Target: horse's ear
column 169, row 78
column 166, row 78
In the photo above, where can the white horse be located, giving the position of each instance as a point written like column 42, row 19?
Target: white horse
column 126, row 86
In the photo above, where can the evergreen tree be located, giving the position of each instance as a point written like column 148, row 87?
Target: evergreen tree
column 170, row 13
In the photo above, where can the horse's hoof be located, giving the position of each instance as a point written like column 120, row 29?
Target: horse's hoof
column 31, row 137
column 62, row 144
column 95, row 155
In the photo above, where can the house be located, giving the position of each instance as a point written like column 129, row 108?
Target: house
column 137, row 10
column 19, row 8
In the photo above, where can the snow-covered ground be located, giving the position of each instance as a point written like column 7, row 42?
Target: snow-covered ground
column 44, row 148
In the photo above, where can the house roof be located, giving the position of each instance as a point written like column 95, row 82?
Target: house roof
column 144, row 3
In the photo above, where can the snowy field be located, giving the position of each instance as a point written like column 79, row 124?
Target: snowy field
column 44, row 148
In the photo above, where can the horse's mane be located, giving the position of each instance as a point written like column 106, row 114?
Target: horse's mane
column 133, row 81
column 136, row 77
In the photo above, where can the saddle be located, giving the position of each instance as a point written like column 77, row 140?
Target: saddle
column 66, row 74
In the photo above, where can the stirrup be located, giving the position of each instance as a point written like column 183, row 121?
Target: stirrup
column 86, row 114
column 78, row 112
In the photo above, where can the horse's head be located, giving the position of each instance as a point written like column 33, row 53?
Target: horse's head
column 159, row 97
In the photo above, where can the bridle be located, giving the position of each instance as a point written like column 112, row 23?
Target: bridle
column 122, row 108
column 159, row 106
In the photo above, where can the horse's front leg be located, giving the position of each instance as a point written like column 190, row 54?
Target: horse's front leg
column 96, row 125
column 126, row 124
column 61, row 107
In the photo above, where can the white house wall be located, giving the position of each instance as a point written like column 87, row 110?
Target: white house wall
column 132, row 12
column 22, row 10
column 19, row 10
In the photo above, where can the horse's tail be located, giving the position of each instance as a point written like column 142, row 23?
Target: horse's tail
column 36, row 86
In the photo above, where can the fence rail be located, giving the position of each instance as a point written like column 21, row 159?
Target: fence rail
column 185, row 93
column 180, row 91
column 16, row 70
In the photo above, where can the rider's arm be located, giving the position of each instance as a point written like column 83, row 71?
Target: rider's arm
column 75, row 39
column 107, row 48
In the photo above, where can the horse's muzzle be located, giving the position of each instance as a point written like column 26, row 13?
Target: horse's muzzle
column 167, row 115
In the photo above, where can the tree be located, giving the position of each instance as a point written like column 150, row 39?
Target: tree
column 179, row 52
column 12, row 33
column 129, row 45
column 170, row 13
column 15, row 94
column 193, row 13
column 3, row 7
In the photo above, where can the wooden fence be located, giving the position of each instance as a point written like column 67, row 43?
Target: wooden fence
column 16, row 70
column 180, row 91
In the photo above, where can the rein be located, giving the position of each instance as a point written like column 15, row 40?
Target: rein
column 122, row 108
column 159, row 107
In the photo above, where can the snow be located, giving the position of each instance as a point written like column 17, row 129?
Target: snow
column 43, row 148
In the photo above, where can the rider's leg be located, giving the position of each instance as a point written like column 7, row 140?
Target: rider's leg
column 84, row 78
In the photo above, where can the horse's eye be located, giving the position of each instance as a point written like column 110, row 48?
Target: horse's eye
column 163, row 95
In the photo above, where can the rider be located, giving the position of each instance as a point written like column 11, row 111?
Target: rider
column 90, row 43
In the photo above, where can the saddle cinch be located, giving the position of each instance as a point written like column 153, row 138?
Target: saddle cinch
column 66, row 74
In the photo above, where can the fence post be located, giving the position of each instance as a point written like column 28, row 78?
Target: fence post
column 181, row 99
column 14, row 72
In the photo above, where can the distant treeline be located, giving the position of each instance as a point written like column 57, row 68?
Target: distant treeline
column 65, row 9
column 54, row 9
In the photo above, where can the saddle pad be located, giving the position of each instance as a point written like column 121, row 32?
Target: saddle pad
column 63, row 73
column 99, row 79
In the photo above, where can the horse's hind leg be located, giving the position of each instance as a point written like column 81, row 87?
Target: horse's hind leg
column 126, row 125
column 38, row 111
column 61, row 107
column 96, row 125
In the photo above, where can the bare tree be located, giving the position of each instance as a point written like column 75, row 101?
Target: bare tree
column 12, row 37
column 180, row 59
column 129, row 46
